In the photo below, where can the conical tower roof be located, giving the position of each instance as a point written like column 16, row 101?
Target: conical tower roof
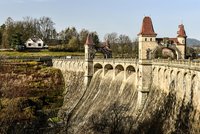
column 181, row 32
column 147, row 27
column 89, row 40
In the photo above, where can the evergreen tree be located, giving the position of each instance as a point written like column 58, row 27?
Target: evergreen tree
column 16, row 41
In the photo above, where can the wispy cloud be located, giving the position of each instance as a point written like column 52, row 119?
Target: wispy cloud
column 41, row 0
column 26, row 1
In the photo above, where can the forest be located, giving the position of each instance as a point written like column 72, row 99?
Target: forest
column 14, row 34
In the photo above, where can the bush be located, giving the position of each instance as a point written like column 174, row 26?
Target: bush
column 57, row 48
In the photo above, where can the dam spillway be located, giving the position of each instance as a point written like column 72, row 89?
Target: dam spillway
column 169, row 107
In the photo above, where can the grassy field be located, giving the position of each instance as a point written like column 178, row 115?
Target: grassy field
column 39, row 54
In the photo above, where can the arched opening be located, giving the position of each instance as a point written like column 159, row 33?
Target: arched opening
column 185, row 81
column 164, row 52
column 178, row 80
column 193, row 82
column 60, row 64
column 73, row 67
column 165, row 74
column 118, row 69
column 97, row 67
column 64, row 65
column 195, row 93
column 165, row 79
column 171, row 80
column 171, row 75
column 76, row 66
column 159, row 77
column 138, row 76
column 154, row 75
column 129, row 70
column 107, row 67
column 69, row 65
column 154, row 69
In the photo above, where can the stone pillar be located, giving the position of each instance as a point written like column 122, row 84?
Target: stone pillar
column 142, row 97
column 144, row 82
column 88, row 72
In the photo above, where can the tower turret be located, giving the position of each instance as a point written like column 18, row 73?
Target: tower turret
column 89, row 56
column 147, row 39
column 181, row 37
column 181, row 34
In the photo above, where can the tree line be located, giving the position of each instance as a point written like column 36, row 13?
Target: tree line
column 15, row 33
column 12, row 30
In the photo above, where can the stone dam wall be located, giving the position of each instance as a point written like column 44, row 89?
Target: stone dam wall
column 110, row 103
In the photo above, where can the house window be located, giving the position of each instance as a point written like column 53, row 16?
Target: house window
column 29, row 44
column 145, row 39
column 39, row 44
column 150, row 39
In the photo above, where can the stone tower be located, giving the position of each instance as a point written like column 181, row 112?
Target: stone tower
column 147, row 43
column 89, row 56
column 182, row 41
column 147, row 39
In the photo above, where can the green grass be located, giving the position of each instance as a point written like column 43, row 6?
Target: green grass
column 40, row 54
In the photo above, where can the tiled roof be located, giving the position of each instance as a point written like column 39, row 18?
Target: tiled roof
column 181, row 32
column 147, row 27
column 89, row 40
column 175, row 40
column 35, row 38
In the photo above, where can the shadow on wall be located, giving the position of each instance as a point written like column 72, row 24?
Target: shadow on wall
column 171, row 115
column 168, row 115
column 113, row 121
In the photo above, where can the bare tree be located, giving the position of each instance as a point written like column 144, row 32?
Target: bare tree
column 113, row 121
column 125, row 45
column 82, row 37
column 47, row 29
column 113, row 40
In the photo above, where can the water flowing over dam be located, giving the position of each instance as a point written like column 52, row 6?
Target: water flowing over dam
column 111, row 103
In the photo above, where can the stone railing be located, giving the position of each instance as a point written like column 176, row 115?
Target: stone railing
column 160, row 62
column 177, row 63
column 116, row 60
column 68, row 59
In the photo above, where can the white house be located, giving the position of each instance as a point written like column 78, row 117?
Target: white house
column 35, row 42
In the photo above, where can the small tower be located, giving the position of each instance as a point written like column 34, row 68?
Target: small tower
column 182, row 40
column 89, row 55
column 147, row 38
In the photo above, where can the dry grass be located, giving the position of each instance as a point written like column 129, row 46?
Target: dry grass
column 40, row 54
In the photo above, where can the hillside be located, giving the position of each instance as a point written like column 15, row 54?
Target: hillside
column 30, row 97
column 193, row 42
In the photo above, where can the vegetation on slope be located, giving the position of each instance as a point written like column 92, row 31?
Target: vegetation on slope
column 30, row 97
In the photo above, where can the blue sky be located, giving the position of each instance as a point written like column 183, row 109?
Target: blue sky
column 106, row 16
